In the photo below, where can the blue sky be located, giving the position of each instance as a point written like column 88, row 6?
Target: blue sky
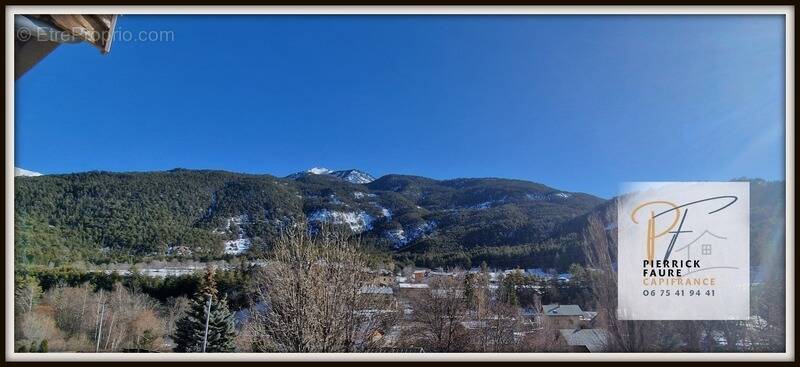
column 580, row 103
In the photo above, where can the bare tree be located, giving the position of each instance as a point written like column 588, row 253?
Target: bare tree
column 600, row 249
column 72, row 308
column 310, row 292
column 438, row 314
column 502, row 323
column 107, row 321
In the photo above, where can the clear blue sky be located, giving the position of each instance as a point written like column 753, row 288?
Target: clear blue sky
column 580, row 103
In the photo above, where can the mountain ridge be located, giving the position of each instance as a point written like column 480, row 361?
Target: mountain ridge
column 350, row 175
column 104, row 216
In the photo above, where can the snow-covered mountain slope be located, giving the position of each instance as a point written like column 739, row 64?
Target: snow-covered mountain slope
column 25, row 173
column 350, row 175
column 319, row 171
column 354, row 176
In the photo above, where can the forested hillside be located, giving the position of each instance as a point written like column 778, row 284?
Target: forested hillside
column 102, row 216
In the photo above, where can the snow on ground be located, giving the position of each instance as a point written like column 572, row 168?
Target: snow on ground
column 357, row 221
column 351, row 175
column 484, row 205
column 400, row 237
column 354, row 176
column 358, row 194
column 242, row 243
column 237, row 246
column 25, row 173
column 384, row 211
column 397, row 237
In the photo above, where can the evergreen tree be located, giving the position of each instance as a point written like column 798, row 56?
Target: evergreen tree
column 190, row 329
column 469, row 290
column 510, row 294
column 509, row 288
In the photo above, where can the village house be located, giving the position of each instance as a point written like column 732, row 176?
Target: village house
column 562, row 316
column 377, row 290
column 584, row 340
column 441, row 275
column 406, row 290
column 419, row 275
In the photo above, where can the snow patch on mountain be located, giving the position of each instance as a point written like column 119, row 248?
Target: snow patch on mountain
column 550, row 196
column 351, row 175
column 242, row 243
column 484, row 205
column 237, row 246
column 354, row 176
column 25, row 173
column 334, row 199
column 536, row 196
column 357, row 221
column 489, row 204
column 401, row 238
column 397, row 237
column 319, row 171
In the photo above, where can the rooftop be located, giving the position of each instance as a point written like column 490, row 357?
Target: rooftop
column 374, row 289
column 562, row 310
column 589, row 315
column 595, row 340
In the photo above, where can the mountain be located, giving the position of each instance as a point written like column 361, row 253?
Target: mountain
column 25, row 173
column 354, row 176
column 351, row 175
column 105, row 216
column 126, row 217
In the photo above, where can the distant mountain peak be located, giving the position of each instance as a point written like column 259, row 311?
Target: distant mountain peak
column 25, row 173
column 350, row 175
column 354, row 176
column 318, row 171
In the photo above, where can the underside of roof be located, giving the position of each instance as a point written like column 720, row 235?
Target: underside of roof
column 96, row 29
column 40, row 34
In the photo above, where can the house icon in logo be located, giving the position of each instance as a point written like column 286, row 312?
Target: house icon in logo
column 703, row 248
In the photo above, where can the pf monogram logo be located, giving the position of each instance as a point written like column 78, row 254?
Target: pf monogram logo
column 683, row 251
column 678, row 216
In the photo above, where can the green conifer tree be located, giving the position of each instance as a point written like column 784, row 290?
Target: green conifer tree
column 190, row 330
column 469, row 290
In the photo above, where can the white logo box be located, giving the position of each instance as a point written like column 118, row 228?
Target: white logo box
column 702, row 229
